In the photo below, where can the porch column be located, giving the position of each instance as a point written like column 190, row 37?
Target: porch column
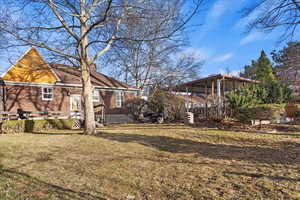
column 219, row 89
column 187, row 99
column 219, row 97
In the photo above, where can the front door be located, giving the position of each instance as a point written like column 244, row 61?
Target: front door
column 75, row 105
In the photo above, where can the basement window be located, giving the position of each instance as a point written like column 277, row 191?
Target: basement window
column 47, row 93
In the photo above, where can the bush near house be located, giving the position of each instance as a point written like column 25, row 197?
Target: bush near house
column 13, row 126
column 136, row 107
column 21, row 126
column 172, row 107
column 262, row 101
column 297, row 111
column 261, row 112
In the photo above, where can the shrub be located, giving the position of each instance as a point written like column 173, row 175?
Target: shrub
column 136, row 107
column 271, row 92
column 262, row 112
column 172, row 107
column 242, row 97
column 21, row 126
column 12, row 126
column 297, row 110
column 38, row 125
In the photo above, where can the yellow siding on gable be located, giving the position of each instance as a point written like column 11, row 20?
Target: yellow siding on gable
column 30, row 68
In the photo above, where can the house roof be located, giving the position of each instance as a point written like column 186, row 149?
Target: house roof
column 32, row 69
column 199, row 85
column 72, row 75
column 202, row 81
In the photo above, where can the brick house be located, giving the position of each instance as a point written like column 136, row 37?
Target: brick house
column 33, row 85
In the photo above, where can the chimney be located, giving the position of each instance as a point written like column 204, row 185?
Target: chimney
column 93, row 68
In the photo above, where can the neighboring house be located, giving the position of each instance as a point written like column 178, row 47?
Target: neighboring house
column 192, row 101
column 210, row 92
column 291, row 77
column 33, row 85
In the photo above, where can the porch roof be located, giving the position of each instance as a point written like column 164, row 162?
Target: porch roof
column 207, row 83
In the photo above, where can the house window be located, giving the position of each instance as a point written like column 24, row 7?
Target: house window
column 96, row 96
column 47, row 93
column 120, row 99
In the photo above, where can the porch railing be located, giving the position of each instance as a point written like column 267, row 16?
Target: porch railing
column 212, row 111
column 22, row 115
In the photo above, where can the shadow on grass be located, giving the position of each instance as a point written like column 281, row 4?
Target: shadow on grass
column 29, row 187
column 22, row 185
column 288, row 155
column 254, row 175
column 58, row 132
column 283, row 134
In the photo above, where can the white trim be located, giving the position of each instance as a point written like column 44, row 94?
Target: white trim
column 53, row 72
column 79, row 86
column 47, row 99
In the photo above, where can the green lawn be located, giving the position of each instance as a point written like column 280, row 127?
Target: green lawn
column 150, row 162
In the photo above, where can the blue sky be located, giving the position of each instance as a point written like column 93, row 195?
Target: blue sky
column 221, row 39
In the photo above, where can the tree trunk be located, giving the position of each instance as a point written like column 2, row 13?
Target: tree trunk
column 87, row 93
column 89, row 117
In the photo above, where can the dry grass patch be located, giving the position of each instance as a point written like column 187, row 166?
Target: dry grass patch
column 150, row 162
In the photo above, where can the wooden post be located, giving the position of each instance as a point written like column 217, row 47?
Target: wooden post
column 187, row 101
column 223, row 88
column 233, row 85
column 192, row 104
column 206, row 96
column 213, row 89
column 224, row 99
column 219, row 98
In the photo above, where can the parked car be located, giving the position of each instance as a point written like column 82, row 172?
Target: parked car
column 153, row 117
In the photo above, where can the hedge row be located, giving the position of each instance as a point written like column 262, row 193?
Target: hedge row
column 21, row 126
column 261, row 112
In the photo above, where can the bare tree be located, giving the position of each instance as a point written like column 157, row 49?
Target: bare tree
column 84, row 30
column 147, row 64
column 288, row 66
column 144, row 63
column 274, row 14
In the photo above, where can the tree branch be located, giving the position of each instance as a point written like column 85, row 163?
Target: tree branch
column 36, row 44
column 61, row 19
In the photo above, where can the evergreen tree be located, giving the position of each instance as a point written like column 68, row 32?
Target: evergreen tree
column 249, row 71
column 260, row 69
column 264, row 69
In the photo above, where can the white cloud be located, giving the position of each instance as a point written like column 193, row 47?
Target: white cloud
column 218, row 9
column 224, row 57
column 252, row 37
column 230, row 72
column 235, row 73
column 200, row 54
